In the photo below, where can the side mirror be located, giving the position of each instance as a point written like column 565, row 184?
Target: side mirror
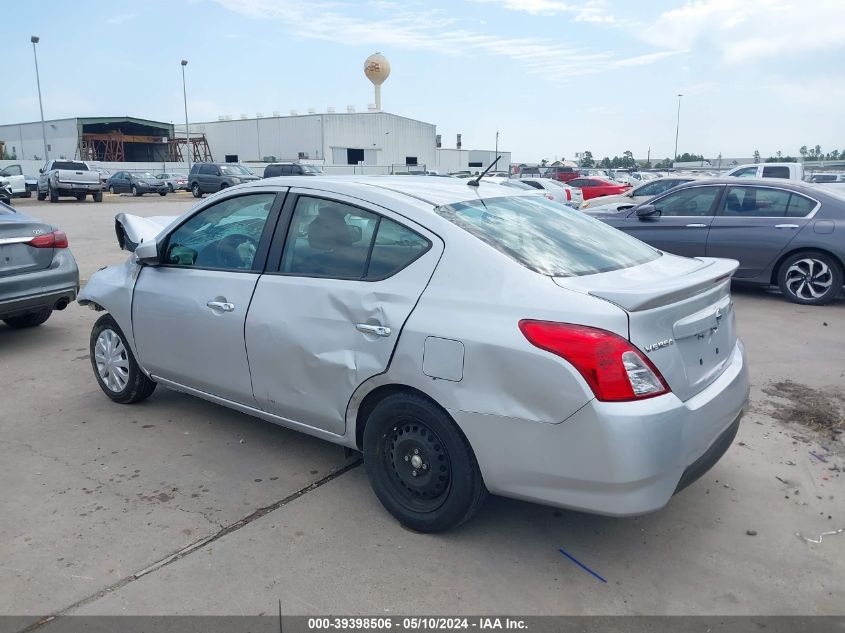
column 647, row 211
column 147, row 253
column 41, row 171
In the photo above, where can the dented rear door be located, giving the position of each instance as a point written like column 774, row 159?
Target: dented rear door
column 316, row 328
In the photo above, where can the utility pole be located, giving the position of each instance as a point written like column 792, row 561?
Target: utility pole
column 497, row 146
column 35, row 39
column 187, row 129
column 677, row 127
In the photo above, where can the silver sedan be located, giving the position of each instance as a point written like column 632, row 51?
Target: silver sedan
column 465, row 339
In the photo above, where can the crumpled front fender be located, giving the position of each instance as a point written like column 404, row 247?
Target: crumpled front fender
column 110, row 289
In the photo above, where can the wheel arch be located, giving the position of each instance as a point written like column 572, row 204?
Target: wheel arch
column 374, row 397
column 802, row 249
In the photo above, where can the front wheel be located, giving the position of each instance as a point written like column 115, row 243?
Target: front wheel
column 419, row 464
column 170, row 187
column 162, row 193
column 98, row 196
column 115, row 368
column 80, row 197
column 135, row 191
column 195, row 189
column 111, row 189
column 41, row 196
column 810, row 278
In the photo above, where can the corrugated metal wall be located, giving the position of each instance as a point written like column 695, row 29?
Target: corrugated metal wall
column 25, row 140
column 389, row 138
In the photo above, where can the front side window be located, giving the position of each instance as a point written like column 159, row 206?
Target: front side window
column 696, row 201
column 578, row 182
column 208, row 170
column 748, row 172
column 222, row 236
column 332, row 239
column 759, row 202
column 547, row 238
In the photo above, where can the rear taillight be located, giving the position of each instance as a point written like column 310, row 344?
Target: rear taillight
column 615, row 370
column 568, row 194
column 56, row 239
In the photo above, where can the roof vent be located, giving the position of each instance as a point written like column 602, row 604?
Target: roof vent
column 350, row 108
column 330, row 110
column 294, row 113
column 259, row 115
column 276, row 113
column 312, row 110
column 372, row 107
column 244, row 116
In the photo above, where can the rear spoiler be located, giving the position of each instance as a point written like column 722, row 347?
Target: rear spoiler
column 635, row 297
column 131, row 230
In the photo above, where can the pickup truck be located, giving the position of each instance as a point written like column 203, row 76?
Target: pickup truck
column 12, row 176
column 789, row 171
column 68, row 178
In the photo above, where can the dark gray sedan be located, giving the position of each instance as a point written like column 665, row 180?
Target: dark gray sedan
column 136, row 183
column 782, row 233
column 38, row 273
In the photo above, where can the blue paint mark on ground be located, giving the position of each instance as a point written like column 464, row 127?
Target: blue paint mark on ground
column 581, row 565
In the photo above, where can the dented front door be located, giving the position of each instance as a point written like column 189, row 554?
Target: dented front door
column 313, row 337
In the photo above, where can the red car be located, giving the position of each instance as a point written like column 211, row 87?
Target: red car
column 596, row 187
column 561, row 173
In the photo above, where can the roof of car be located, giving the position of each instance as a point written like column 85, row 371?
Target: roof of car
column 427, row 189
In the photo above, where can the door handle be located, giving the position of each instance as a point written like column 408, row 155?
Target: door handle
column 697, row 226
column 221, row 305
column 786, row 226
column 378, row 330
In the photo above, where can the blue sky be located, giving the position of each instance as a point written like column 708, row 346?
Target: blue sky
column 554, row 76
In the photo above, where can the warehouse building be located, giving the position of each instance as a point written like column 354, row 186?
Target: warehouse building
column 112, row 139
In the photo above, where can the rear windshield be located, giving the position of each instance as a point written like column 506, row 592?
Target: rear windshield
column 59, row 164
column 6, row 209
column 546, row 237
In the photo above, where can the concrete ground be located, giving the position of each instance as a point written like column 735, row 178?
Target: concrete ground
column 97, row 498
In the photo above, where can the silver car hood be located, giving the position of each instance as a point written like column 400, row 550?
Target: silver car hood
column 131, row 230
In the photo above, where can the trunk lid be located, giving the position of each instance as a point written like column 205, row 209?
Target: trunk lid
column 680, row 314
column 16, row 256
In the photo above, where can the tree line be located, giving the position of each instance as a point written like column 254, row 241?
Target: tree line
column 627, row 160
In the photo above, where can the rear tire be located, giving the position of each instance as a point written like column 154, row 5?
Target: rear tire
column 419, row 464
column 195, row 189
column 41, row 196
column 810, row 278
column 170, row 188
column 54, row 195
column 162, row 193
column 115, row 368
column 32, row 319
column 98, row 196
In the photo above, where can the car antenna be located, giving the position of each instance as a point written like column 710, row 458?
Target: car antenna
column 474, row 182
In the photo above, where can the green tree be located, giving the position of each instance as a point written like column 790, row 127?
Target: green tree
column 756, row 155
column 628, row 159
column 544, row 162
column 803, row 151
column 689, row 158
column 834, row 155
column 779, row 154
column 818, row 149
column 587, row 159
column 605, row 162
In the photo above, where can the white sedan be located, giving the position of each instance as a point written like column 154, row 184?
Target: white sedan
column 556, row 191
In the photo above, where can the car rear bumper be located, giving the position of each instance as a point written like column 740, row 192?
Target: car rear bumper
column 72, row 189
column 617, row 459
column 52, row 288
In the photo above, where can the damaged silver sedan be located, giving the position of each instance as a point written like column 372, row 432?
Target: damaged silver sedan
column 466, row 339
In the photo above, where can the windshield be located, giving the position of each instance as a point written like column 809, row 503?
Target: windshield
column 235, row 170
column 546, row 237
column 143, row 174
column 66, row 164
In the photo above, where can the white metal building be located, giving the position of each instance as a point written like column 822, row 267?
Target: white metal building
column 25, row 140
column 348, row 138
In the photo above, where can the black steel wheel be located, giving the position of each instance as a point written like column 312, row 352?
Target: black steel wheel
column 196, row 191
column 419, row 464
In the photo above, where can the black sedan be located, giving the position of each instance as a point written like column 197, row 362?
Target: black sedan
column 782, row 233
column 136, row 183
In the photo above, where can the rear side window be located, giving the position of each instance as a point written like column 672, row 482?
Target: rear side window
column 799, row 206
column 748, row 172
column 578, row 182
column 332, row 239
column 548, row 238
column 776, row 172
column 758, row 202
column 209, row 170
column 271, row 171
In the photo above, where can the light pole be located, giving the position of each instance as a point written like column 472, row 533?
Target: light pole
column 187, row 129
column 677, row 127
column 34, row 39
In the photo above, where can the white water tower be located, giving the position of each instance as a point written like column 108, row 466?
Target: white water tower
column 377, row 69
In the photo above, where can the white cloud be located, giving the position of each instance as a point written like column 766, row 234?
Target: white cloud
column 741, row 30
column 589, row 11
column 433, row 31
column 121, row 19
